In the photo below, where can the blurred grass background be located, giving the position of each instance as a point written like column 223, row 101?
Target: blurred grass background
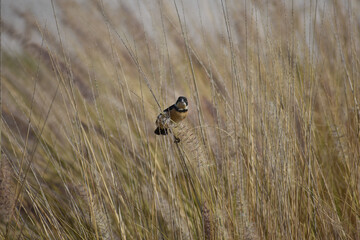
column 270, row 149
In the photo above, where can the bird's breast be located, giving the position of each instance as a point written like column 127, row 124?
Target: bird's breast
column 177, row 116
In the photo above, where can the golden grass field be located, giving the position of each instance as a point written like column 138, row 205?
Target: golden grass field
column 270, row 149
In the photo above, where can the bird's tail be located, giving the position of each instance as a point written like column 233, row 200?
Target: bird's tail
column 161, row 131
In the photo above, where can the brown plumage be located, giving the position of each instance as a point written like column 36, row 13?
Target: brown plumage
column 173, row 114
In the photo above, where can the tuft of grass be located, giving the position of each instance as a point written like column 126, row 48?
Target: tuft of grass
column 270, row 148
column 7, row 188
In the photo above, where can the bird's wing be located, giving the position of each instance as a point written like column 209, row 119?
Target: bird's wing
column 169, row 108
column 166, row 111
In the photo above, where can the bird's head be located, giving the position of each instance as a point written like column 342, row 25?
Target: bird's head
column 182, row 103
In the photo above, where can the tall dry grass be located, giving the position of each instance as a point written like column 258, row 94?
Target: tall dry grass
column 270, row 149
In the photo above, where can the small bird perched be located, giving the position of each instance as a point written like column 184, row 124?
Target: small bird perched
column 173, row 114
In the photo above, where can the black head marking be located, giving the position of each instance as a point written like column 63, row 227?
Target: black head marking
column 182, row 99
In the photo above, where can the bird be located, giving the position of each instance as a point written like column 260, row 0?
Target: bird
column 173, row 114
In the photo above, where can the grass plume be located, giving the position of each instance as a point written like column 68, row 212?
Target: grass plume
column 7, row 195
